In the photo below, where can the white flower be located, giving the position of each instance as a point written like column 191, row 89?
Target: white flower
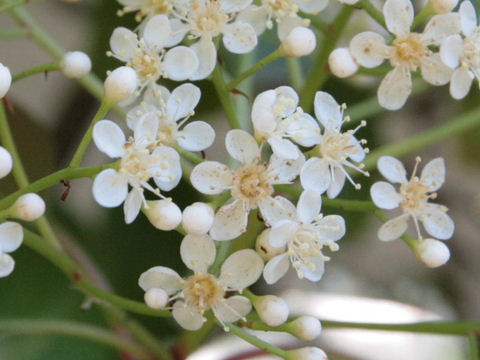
column 305, row 328
column 120, row 84
column 272, row 310
column 163, row 214
column 137, row 166
column 11, row 237
column 336, row 150
column 251, row 185
column 302, row 233
column 463, row 54
column 341, row 63
column 28, row 207
column 146, row 9
column 408, row 52
column 5, row 80
column 75, row 64
column 276, row 119
column 432, row 253
column 197, row 219
column 443, row 6
column 412, row 197
column 172, row 111
column 301, row 41
column 306, row 353
column 202, row 291
column 6, row 162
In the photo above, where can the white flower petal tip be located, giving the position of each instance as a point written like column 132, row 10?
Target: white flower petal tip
column 197, row 252
column 395, row 88
column 432, row 253
column 211, row 177
column 163, row 214
column 28, row 207
column 393, row 229
column 5, row 80
column 239, row 37
column 384, row 195
column 306, row 353
column 368, row 49
column 11, row 236
column 398, row 16
column 160, row 277
column 7, row 264
column 241, row 269
column 242, row 146
column 305, row 328
column 341, row 63
column 392, row 169
column 156, row 298
column 443, row 6
column 264, row 247
column 276, row 268
column 272, row 310
column 109, row 138
column 180, row 63
column 120, row 84
column 301, row 41
column 6, row 162
column 75, row 64
column 197, row 219
column 196, row 136
column 110, row 188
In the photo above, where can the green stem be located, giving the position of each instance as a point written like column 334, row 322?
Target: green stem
column 318, row 74
column 453, row 127
column 259, row 65
column 14, row 4
column 44, row 68
column 70, row 269
column 295, row 72
column 473, row 344
column 423, row 15
column 87, row 137
column 222, row 253
column 67, row 328
column 13, row 33
column 373, row 12
column 196, row 159
column 224, row 97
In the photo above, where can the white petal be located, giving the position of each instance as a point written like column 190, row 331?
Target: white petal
column 441, row 26
column 309, row 205
column 384, row 195
column 331, row 227
column 256, row 16
column 242, row 146
column 161, row 277
column 169, row 171
column 211, row 177
column 207, row 58
column 233, row 309
column 230, row 6
column 157, row 31
column 312, row 6
column 394, row 228
column 468, row 17
column 109, row 138
column 6, row 265
column 123, row 43
column 156, row 95
column 437, row 223
column 230, row 221
column 198, row 252
column 287, row 24
column 392, row 169
column 110, row 188
column 369, row 49
column 284, row 148
column 178, row 30
column 451, row 50
column 356, row 152
column 146, row 129
column 460, row 83
column 132, row 205
column 433, row 174
column 196, row 136
column 304, row 130
column 241, row 269
column 435, row 71
column 282, row 232
column 187, row 317
column 239, row 37
column 11, row 236
column 284, row 171
column 281, row 210
column 182, row 101
column 398, row 16
column 180, row 63
column 327, row 110
column 315, row 175
column 337, row 182
column 287, row 98
column 315, row 270
column 263, row 119
column 276, row 268
column 395, row 88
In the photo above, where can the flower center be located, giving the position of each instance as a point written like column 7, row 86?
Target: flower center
column 146, row 62
column 207, row 18
column 471, row 53
column 303, row 248
column 251, row 184
column 414, row 194
column 282, row 7
column 336, row 147
column 167, row 133
column 203, row 291
column 152, row 8
column 409, row 51
column 136, row 164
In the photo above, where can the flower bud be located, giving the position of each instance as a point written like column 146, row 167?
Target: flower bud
column 433, row 253
column 163, row 214
column 28, row 207
column 5, row 80
column 6, row 162
column 75, row 64
column 299, row 42
column 443, row 6
column 197, row 219
column 272, row 310
column 120, row 84
column 263, row 247
column 156, row 298
column 305, row 328
column 341, row 63
column 306, row 353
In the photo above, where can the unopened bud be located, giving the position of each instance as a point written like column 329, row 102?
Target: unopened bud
column 443, row 6
column 75, row 64
column 120, row 84
column 341, row 63
column 305, row 328
column 163, row 214
column 433, row 253
column 28, row 207
column 6, row 162
column 299, row 42
column 306, row 353
column 5, row 80
column 156, row 298
column 197, row 219
column 271, row 309
column 263, row 247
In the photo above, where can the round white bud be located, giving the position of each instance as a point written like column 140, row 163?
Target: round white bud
column 197, row 219
column 156, row 298
column 5, row 80
column 443, row 6
column 305, row 328
column 263, row 247
column 75, row 64
column 28, row 207
column 433, row 253
column 120, row 84
column 6, row 162
column 163, row 214
column 299, row 42
column 341, row 63
column 272, row 310
column 306, row 353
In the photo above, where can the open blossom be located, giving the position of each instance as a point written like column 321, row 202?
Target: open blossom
column 463, row 54
column 137, row 166
column 412, row 198
column 202, row 291
column 146, row 9
column 408, row 52
column 11, row 237
column 336, row 150
column 302, row 232
column 172, row 111
column 251, row 185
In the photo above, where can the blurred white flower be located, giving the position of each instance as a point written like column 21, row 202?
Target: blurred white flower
column 75, row 64
column 146, row 9
column 28, row 207
column 6, row 162
column 432, row 253
column 5, row 80
column 120, row 84
column 341, row 63
column 11, row 237
column 300, row 41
